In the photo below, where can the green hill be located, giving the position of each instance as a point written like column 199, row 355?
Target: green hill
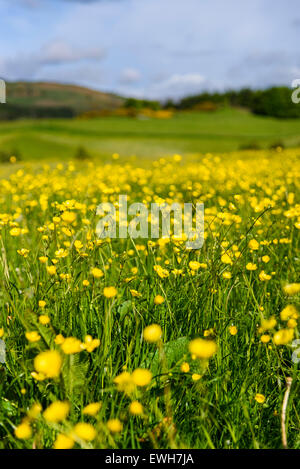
column 28, row 99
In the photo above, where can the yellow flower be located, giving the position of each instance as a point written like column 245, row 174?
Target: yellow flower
column 141, row 377
column 51, row 269
column 85, row 431
column 92, row 409
column 251, row 266
column 48, row 363
column 158, row 300
column 185, row 367
column 260, row 398
column 225, row 258
column 114, row 425
column 233, row 330
column 63, row 442
column 15, row 232
column 135, row 293
column 265, row 259
column 85, row 283
column 194, row 265
column 43, row 259
column 71, row 345
column 68, row 217
column 292, row 323
column 38, row 376
column 90, row 344
column 267, row 324
column 263, row 276
column 291, row 289
column 109, row 292
column 265, row 338
column 289, row 312
column 253, row 244
column 61, row 253
column 152, row 333
column 124, row 382
column 227, row 275
column 283, row 336
column 32, row 336
column 136, row 408
column 44, row 319
column 57, row 411
column 78, row 244
column 97, row 273
column 162, row 273
column 42, row 304
column 196, row 377
column 1, row 332
column 59, row 339
column 23, row 252
column 202, row 348
column 23, row 431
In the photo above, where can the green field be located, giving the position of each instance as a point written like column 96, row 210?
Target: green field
column 221, row 131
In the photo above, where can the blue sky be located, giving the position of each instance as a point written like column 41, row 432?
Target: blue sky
column 151, row 48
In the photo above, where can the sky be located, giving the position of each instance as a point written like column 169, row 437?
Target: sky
column 154, row 49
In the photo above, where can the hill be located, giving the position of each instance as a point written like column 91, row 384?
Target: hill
column 28, row 99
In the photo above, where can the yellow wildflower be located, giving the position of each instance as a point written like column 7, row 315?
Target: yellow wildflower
column 85, row 431
column 114, row 425
column 110, row 292
column 141, row 377
column 260, row 398
column 202, row 348
column 57, row 411
column 152, row 333
column 48, row 363
column 92, row 409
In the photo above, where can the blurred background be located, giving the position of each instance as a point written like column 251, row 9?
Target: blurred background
column 147, row 78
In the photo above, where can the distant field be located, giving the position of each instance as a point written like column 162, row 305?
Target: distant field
column 221, row 131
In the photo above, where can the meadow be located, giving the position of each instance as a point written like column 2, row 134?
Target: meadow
column 224, row 130
column 122, row 343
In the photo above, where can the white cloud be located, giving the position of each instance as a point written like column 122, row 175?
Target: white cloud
column 27, row 66
column 178, row 85
column 61, row 52
column 130, row 75
column 174, row 86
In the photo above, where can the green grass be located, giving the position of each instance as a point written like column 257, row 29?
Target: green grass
column 221, row 131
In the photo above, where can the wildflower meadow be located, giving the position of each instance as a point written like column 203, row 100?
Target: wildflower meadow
column 144, row 343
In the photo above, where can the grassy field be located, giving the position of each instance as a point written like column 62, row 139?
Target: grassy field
column 187, row 133
column 121, row 343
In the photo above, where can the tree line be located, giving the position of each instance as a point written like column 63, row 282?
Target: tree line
column 275, row 101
